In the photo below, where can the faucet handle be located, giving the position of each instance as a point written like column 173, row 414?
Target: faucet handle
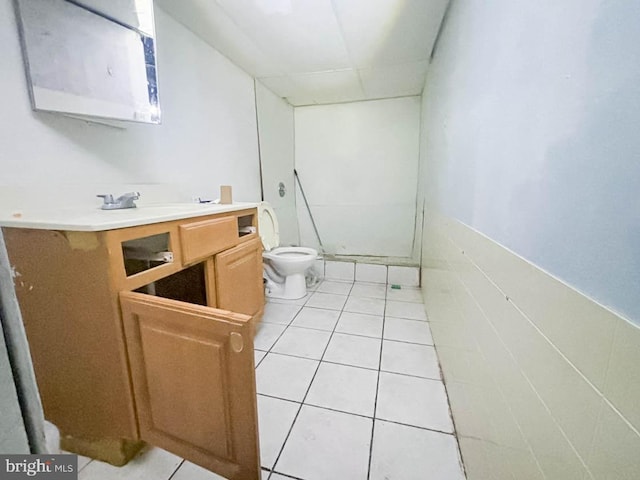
column 107, row 197
column 131, row 195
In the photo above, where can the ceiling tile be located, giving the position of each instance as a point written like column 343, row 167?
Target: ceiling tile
column 211, row 23
column 300, row 36
column 282, row 86
column 394, row 81
column 387, row 32
column 329, row 87
column 320, row 51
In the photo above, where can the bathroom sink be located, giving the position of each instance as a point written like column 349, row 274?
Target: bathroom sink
column 95, row 219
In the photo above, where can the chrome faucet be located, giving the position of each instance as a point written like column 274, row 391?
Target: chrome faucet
column 123, row 201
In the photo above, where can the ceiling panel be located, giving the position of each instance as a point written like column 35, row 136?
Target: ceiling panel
column 394, row 81
column 388, row 32
column 209, row 22
column 282, row 85
column 300, row 36
column 321, row 51
column 329, row 87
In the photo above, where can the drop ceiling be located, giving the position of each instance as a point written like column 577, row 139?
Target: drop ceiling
column 321, row 51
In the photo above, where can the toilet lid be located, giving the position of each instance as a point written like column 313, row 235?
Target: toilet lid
column 268, row 225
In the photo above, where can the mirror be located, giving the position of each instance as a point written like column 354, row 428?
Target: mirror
column 91, row 58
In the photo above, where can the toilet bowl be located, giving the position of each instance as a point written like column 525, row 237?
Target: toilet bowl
column 284, row 267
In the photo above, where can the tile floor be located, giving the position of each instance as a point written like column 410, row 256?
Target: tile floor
column 348, row 387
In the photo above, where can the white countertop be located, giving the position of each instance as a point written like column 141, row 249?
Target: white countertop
column 93, row 219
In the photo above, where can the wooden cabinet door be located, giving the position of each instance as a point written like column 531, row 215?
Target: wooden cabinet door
column 193, row 379
column 239, row 278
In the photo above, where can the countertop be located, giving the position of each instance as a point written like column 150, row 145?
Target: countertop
column 93, row 219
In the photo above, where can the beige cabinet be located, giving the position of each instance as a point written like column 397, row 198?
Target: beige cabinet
column 235, row 270
column 145, row 334
column 192, row 373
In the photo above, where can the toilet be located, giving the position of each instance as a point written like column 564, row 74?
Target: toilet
column 284, row 267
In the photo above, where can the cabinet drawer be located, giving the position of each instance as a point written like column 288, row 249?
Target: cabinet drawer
column 208, row 237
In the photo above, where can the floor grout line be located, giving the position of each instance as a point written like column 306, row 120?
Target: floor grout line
column 176, row 470
column 375, row 401
column 352, row 334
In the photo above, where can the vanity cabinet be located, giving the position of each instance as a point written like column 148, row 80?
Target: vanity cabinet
column 146, row 334
column 192, row 377
column 233, row 267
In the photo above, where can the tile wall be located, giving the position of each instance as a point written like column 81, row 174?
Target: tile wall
column 543, row 382
column 366, row 272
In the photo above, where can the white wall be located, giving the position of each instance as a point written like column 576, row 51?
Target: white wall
column 207, row 138
column 358, row 163
column 275, row 127
column 532, row 120
column 530, row 141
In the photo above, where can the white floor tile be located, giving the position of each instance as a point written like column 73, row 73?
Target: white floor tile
column 405, row 294
column 413, row 401
column 333, row 286
column 415, row 331
column 280, row 313
column 339, row 271
column 348, row 389
column 313, row 451
column 412, row 311
column 266, row 335
column 368, row 290
column 275, row 418
column 354, row 350
column 284, row 376
column 302, row 342
column 149, row 463
column 408, row 453
column 366, row 272
column 370, row 306
column 191, row 471
column 258, row 355
column 327, row 300
column 318, row 318
column 82, row 460
column 276, row 476
column 410, row 359
column 409, row 276
column 360, row 324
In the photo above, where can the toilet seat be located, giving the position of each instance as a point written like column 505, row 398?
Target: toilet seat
column 292, row 254
column 268, row 226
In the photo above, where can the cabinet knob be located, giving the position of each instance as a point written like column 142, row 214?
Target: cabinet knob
column 237, row 342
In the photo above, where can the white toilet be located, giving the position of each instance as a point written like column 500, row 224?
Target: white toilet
column 284, row 267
